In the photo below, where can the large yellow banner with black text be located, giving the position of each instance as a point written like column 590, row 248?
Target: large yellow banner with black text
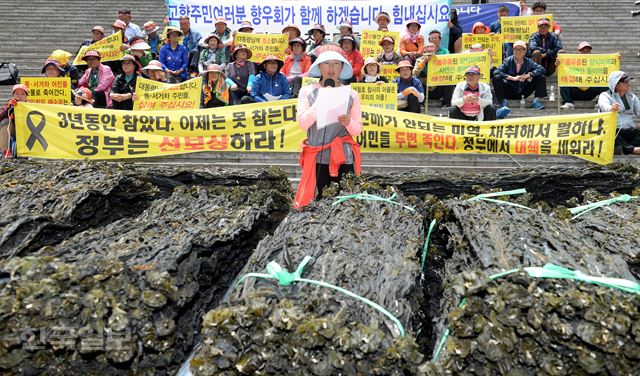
column 370, row 42
column 586, row 70
column 49, row 90
column 108, row 47
column 65, row 132
column 490, row 42
column 263, row 45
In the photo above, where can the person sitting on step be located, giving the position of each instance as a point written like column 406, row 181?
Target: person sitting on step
column 620, row 99
column 472, row 99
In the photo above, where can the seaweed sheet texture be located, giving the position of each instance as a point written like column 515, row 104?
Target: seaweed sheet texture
column 518, row 325
column 369, row 248
column 128, row 297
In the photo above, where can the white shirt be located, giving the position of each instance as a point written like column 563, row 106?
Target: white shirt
column 133, row 30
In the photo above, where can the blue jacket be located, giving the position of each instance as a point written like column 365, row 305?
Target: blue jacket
column 175, row 59
column 551, row 44
column 496, row 27
column 402, row 84
column 508, row 68
column 191, row 40
column 275, row 85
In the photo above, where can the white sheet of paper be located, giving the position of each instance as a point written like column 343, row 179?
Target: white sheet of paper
column 271, row 98
column 331, row 103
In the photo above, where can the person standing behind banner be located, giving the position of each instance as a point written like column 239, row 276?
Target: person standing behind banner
column 223, row 31
column 131, row 30
column 174, row 57
column 98, row 78
column 124, row 86
column 97, row 33
column 346, row 30
column 472, row 99
column 327, row 153
column 620, row 99
column 269, row 85
column 410, row 89
column 411, row 42
column 8, row 132
column 455, row 33
column 388, row 56
column 215, row 90
column 240, row 73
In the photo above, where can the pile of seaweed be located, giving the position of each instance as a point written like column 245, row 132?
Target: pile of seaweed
column 366, row 247
column 522, row 325
column 129, row 296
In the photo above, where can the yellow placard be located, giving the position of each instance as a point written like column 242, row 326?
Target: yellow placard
column 48, row 90
column 159, row 96
column 66, row 132
column 389, row 72
column 521, row 27
column 449, row 69
column 489, row 42
column 309, row 80
column 586, row 70
column 370, row 42
column 108, row 47
column 263, row 45
column 381, row 95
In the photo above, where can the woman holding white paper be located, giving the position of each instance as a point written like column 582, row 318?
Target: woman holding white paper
column 330, row 114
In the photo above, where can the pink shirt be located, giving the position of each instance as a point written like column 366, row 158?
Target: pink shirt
column 307, row 114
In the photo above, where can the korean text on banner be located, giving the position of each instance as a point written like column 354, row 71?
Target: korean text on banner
column 159, row 96
column 370, row 42
column 521, row 28
column 389, row 71
column 65, row 132
column 381, row 95
column 108, row 47
column 491, row 42
column 469, row 14
column 586, row 70
column 48, row 90
column 449, row 69
column 273, row 16
column 263, row 45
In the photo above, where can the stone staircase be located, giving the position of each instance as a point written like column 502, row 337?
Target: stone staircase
column 31, row 30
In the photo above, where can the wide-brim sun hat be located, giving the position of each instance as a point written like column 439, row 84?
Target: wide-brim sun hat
column 346, row 72
column 271, row 58
column 153, row 65
column 55, row 63
column 242, row 47
column 212, row 68
column 173, row 29
column 371, row 60
column 91, row 53
column 140, row 46
column 212, row 35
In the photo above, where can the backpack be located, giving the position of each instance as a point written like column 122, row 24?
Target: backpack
column 8, row 74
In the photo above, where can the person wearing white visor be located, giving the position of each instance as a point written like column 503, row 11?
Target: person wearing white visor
column 333, row 144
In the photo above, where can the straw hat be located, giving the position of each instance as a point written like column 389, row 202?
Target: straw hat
column 403, row 64
column 91, row 53
column 150, row 27
column 271, row 58
column 242, row 47
column 371, row 60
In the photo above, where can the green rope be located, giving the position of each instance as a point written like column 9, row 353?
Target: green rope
column 366, row 196
column 284, row 278
column 488, row 197
column 580, row 210
column 426, row 245
column 555, row 271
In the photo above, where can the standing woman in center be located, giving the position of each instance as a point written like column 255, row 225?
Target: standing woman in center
column 330, row 152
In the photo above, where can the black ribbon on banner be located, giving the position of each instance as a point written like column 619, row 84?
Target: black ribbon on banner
column 36, row 130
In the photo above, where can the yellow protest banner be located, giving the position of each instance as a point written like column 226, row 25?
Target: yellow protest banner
column 492, row 42
column 449, row 69
column 108, row 47
column 263, row 45
column 586, row 70
column 370, row 42
column 309, row 80
column 381, row 95
column 389, row 71
column 48, row 90
column 66, row 132
column 159, row 96
column 521, row 27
